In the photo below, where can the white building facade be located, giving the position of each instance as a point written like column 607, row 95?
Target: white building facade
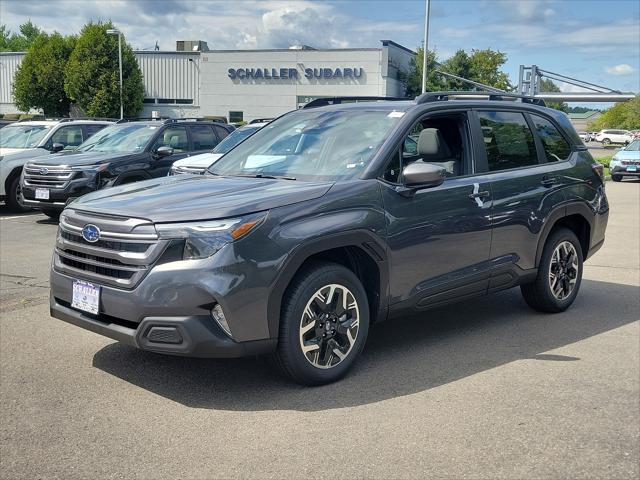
column 242, row 85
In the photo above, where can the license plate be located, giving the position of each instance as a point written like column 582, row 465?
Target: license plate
column 86, row 296
column 42, row 194
column 632, row 168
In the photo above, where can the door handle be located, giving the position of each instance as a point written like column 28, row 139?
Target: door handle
column 549, row 181
column 483, row 194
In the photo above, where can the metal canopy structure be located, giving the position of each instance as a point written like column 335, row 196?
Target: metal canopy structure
column 530, row 79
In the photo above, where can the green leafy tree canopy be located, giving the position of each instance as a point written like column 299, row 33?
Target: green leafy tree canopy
column 92, row 78
column 18, row 42
column 39, row 80
column 625, row 115
column 546, row 86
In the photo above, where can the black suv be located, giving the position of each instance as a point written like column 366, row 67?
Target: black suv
column 126, row 152
column 330, row 219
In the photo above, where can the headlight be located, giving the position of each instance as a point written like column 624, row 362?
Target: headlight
column 203, row 239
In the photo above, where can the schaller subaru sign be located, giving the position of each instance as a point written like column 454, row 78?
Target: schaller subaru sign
column 292, row 73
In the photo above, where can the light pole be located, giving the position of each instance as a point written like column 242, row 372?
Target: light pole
column 115, row 31
column 426, row 44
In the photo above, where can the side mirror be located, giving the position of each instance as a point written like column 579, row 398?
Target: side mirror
column 164, row 151
column 418, row 175
column 57, row 147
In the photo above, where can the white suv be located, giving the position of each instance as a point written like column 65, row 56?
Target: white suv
column 607, row 137
column 23, row 140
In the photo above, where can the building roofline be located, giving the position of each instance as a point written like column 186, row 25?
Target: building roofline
column 386, row 43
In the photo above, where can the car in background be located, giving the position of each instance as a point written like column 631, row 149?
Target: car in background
column 23, row 140
column 584, row 136
column 261, row 120
column 126, row 152
column 592, row 136
column 626, row 163
column 198, row 163
column 607, row 137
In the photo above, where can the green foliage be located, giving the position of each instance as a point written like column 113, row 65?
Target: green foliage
column 625, row 115
column 92, row 78
column 39, row 80
column 480, row 66
column 18, row 42
column 546, row 86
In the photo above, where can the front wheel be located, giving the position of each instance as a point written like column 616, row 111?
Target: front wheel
column 559, row 274
column 53, row 214
column 606, row 142
column 616, row 178
column 324, row 324
column 13, row 196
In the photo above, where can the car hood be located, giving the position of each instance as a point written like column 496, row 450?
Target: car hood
column 182, row 198
column 22, row 152
column 77, row 159
column 627, row 155
column 202, row 161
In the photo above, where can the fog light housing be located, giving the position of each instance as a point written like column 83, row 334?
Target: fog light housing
column 218, row 315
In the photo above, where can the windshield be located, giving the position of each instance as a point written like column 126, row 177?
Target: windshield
column 311, row 145
column 125, row 138
column 23, row 136
column 234, row 138
column 633, row 146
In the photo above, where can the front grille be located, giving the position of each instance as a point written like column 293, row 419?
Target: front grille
column 126, row 250
column 179, row 170
column 47, row 176
column 631, row 162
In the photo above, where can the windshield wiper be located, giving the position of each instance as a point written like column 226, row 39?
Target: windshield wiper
column 262, row 175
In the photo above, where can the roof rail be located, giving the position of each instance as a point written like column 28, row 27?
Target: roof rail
column 444, row 96
column 321, row 102
column 190, row 119
column 99, row 119
column 142, row 119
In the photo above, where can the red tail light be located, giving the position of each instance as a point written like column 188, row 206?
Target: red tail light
column 598, row 168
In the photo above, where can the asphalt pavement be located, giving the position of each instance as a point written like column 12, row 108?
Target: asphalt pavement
column 484, row 389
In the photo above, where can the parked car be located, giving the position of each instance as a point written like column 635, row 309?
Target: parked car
column 607, row 137
column 321, row 224
column 23, row 140
column 626, row 162
column 198, row 163
column 592, row 136
column 126, row 152
column 584, row 136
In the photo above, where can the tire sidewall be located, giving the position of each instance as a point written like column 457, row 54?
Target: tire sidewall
column 13, row 194
column 314, row 280
column 552, row 243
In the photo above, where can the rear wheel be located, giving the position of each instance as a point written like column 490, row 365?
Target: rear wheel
column 324, row 324
column 13, row 195
column 559, row 274
column 616, row 178
column 54, row 214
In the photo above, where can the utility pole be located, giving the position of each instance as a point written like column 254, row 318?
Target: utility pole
column 427, row 7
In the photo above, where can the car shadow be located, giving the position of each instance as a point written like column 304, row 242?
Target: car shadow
column 402, row 357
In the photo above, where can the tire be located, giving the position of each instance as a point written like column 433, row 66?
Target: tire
column 303, row 306
column 53, row 214
column 606, row 142
column 538, row 294
column 13, row 194
column 616, row 178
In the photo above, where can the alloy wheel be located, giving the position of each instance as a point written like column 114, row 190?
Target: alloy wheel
column 563, row 272
column 329, row 326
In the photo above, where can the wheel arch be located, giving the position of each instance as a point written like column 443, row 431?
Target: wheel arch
column 362, row 252
column 577, row 217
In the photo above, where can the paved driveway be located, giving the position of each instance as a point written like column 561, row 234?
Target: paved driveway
column 483, row 389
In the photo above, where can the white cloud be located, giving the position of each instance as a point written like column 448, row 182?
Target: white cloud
column 622, row 69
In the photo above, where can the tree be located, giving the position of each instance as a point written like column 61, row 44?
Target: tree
column 413, row 78
column 18, row 42
column 92, row 78
column 625, row 115
column 484, row 67
column 547, row 85
column 39, row 80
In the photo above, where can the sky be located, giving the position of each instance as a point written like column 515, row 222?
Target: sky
column 594, row 40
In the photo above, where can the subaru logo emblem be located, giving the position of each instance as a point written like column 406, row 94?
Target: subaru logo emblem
column 43, row 171
column 91, row 233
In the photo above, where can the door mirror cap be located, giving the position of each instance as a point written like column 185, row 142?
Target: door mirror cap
column 57, row 147
column 419, row 175
column 164, row 151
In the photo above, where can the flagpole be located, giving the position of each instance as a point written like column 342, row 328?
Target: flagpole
column 425, row 55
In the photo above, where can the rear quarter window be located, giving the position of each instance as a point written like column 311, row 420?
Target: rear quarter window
column 556, row 148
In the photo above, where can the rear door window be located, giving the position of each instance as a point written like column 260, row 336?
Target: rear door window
column 508, row 141
column 91, row 129
column 69, row 136
column 556, row 148
column 203, row 137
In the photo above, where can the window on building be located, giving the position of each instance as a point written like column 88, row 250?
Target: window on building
column 556, row 147
column 508, row 140
column 235, row 117
column 149, row 100
column 203, row 137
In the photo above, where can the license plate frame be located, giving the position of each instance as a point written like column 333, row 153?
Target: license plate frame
column 632, row 168
column 86, row 296
column 42, row 194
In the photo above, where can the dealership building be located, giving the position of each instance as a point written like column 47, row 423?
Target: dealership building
column 243, row 85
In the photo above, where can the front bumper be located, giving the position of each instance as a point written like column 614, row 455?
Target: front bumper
column 59, row 197
column 191, row 336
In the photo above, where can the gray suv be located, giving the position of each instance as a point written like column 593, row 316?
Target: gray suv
column 333, row 218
